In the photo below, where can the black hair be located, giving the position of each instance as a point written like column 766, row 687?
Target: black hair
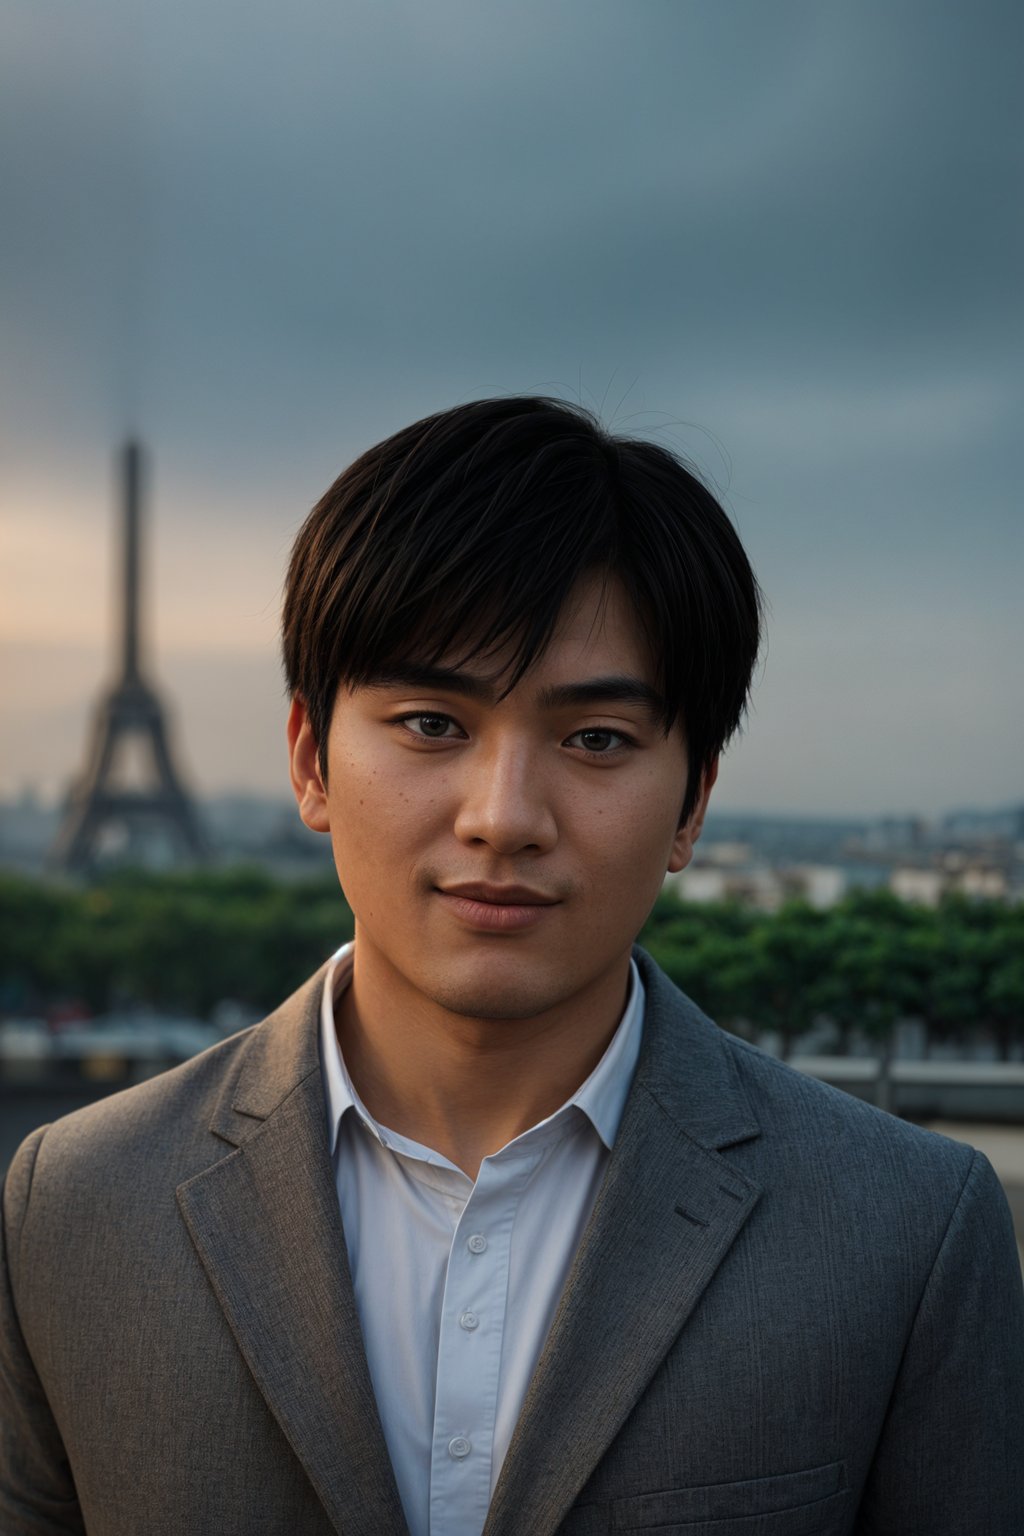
column 466, row 533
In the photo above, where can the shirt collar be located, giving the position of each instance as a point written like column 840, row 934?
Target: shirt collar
column 602, row 1097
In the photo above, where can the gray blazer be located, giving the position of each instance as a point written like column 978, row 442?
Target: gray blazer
column 790, row 1315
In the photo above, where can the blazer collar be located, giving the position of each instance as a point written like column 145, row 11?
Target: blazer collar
column 684, row 1064
column 669, row 1210
column 266, row 1226
column 687, row 1067
column 279, row 1054
column 265, row 1223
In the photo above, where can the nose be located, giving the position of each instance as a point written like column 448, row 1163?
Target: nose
column 504, row 801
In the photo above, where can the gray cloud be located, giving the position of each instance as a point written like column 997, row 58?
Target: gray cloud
column 786, row 239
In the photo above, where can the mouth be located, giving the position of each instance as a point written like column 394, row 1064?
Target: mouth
column 496, row 908
column 499, row 895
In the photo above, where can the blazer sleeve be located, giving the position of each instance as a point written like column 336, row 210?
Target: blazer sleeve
column 37, row 1490
column 950, row 1459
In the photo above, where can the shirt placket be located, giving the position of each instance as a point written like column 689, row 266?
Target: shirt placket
column 469, row 1353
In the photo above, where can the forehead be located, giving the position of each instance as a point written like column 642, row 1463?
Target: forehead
column 597, row 655
column 597, row 633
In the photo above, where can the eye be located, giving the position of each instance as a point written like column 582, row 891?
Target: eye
column 601, row 742
column 430, row 727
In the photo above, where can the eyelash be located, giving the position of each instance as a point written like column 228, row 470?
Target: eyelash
column 625, row 741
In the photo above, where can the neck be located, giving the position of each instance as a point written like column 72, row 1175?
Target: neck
column 466, row 1086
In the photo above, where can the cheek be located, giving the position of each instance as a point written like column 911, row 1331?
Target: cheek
column 353, row 793
column 631, row 836
column 379, row 810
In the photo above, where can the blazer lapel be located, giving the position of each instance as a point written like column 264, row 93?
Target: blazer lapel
column 668, row 1212
column 266, row 1225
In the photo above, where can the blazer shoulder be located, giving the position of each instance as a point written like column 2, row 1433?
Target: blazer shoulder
column 845, row 1132
column 795, row 1125
column 165, row 1122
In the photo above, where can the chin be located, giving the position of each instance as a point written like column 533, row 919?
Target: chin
column 496, row 997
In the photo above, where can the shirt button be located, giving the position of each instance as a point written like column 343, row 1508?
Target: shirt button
column 477, row 1243
column 469, row 1321
column 459, row 1447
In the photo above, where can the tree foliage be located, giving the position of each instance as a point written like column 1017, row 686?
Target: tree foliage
column 189, row 941
column 859, row 967
column 180, row 942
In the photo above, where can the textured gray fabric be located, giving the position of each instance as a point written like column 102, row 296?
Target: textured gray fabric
column 790, row 1315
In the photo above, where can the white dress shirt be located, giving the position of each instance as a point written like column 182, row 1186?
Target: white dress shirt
column 457, row 1282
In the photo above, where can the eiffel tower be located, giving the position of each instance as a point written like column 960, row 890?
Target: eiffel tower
column 105, row 815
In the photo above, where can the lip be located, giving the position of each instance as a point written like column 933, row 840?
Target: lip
column 496, row 908
column 499, row 895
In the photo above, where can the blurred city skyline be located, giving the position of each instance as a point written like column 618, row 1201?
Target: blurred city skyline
column 785, row 241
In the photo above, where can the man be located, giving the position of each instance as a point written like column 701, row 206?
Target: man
column 488, row 1228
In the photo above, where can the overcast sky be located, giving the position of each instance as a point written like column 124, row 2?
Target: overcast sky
column 783, row 238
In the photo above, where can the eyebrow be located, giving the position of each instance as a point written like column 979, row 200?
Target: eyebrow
column 618, row 688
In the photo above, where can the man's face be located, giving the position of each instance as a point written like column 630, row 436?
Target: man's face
column 500, row 856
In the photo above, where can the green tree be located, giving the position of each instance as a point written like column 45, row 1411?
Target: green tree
column 874, row 978
column 792, row 957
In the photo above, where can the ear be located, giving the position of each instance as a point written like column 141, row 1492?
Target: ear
column 307, row 783
column 690, row 830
